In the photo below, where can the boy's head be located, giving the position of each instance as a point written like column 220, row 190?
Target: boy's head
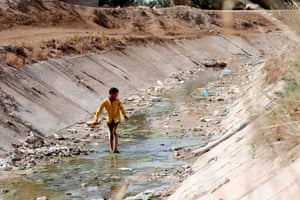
column 113, row 93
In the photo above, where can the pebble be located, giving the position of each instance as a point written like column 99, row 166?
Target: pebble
column 155, row 99
column 4, row 191
column 177, row 148
column 176, row 154
column 205, row 120
column 83, row 185
column 72, row 130
column 197, row 128
column 58, row 137
column 42, row 198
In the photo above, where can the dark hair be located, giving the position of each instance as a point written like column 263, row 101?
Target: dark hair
column 113, row 90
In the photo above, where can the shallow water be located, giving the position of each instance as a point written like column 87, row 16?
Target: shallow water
column 144, row 151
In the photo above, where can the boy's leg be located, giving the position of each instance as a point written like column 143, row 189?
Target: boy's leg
column 111, row 136
column 115, row 138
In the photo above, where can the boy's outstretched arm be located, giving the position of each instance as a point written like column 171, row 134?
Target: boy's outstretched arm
column 99, row 111
column 123, row 111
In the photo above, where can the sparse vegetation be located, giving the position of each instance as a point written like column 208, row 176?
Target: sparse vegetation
column 155, row 3
column 206, row 4
column 278, row 138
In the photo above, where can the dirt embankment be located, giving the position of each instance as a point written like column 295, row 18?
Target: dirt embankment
column 35, row 30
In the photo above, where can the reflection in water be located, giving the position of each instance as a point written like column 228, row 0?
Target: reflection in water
column 114, row 162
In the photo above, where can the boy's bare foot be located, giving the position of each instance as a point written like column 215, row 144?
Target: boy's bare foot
column 116, row 151
column 92, row 124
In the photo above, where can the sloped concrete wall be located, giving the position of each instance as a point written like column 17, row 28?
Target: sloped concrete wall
column 232, row 169
column 56, row 93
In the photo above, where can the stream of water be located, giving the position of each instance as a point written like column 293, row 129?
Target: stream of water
column 144, row 151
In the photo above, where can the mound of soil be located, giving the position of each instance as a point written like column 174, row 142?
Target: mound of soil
column 36, row 30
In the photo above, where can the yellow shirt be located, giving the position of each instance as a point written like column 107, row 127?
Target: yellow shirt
column 113, row 110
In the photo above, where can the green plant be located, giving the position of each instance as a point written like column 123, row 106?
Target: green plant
column 155, row 3
column 205, row 4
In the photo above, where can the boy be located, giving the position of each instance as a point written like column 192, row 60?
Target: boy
column 113, row 107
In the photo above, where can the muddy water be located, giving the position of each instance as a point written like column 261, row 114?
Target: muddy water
column 144, row 151
column 99, row 175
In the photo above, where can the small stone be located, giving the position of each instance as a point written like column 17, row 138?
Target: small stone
column 205, row 120
column 58, row 137
column 176, row 154
column 197, row 128
column 202, row 119
column 4, row 191
column 42, row 198
column 215, row 64
column 155, row 99
column 77, row 140
column 130, row 99
column 72, row 130
column 84, row 185
column 177, row 148
column 186, row 166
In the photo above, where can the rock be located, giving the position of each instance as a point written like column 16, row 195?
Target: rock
column 129, row 109
column 58, row 137
column 68, row 193
column 130, row 99
column 159, row 83
column 42, row 198
column 177, row 148
column 31, row 139
column 72, row 130
column 176, row 154
column 205, row 120
column 28, row 124
column 144, row 195
column 155, row 99
column 215, row 64
column 77, row 140
column 186, row 166
column 4, row 191
column 197, row 128
column 83, row 185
